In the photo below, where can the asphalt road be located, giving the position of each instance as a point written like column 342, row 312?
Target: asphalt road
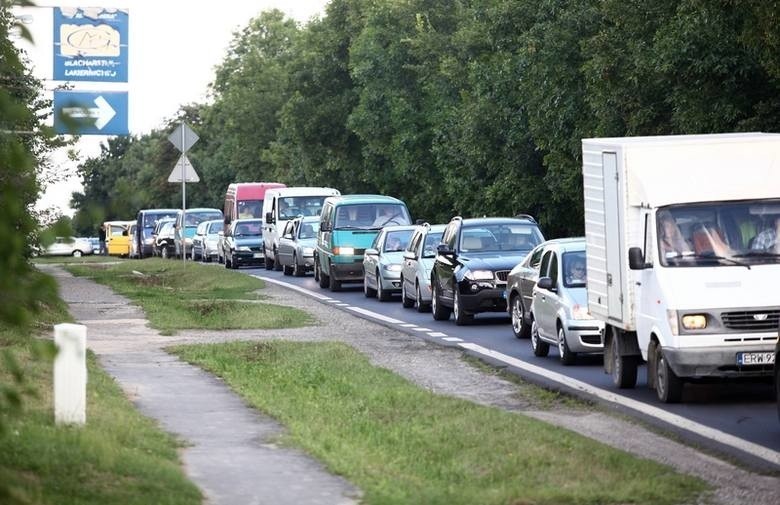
column 736, row 418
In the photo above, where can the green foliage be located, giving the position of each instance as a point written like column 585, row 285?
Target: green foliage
column 463, row 107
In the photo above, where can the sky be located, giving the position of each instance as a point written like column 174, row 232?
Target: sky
column 173, row 48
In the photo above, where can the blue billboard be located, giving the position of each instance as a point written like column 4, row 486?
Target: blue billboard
column 90, row 112
column 90, row 44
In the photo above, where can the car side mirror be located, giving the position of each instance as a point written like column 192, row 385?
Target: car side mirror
column 409, row 255
column 636, row 259
column 371, row 252
column 444, row 250
column 546, row 283
column 220, row 233
column 269, row 218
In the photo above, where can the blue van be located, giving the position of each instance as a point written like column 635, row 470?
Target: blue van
column 146, row 219
column 348, row 226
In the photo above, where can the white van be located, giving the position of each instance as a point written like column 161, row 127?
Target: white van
column 680, row 268
column 283, row 204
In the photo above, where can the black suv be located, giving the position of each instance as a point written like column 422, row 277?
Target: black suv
column 473, row 262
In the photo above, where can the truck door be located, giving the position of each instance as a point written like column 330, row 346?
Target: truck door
column 612, row 208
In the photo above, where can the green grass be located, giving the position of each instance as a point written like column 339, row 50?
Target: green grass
column 401, row 444
column 70, row 260
column 119, row 456
column 175, row 296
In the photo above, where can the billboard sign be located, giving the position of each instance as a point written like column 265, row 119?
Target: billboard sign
column 90, row 112
column 90, row 44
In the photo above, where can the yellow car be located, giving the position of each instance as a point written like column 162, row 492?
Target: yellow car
column 118, row 237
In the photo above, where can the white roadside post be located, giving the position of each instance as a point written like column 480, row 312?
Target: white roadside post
column 70, row 374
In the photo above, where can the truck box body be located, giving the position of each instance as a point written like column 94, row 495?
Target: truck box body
column 682, row 267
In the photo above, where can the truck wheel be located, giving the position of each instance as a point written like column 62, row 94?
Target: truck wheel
column 567, row 357
column 440, row 312
column 668, row 386
column 540, row 347
column 519, row 326
column 624, row 368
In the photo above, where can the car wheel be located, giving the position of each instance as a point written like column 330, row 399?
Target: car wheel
column 419, row 305
column 461, row 316
column 164, row 253
column 382, row 294
column 519, row 326
column 406, row 302
column 335, row 284
column 324, row 279
column 624, row 368
column 298, row 270
column 541, row 348
column 287, row 270
column 277, row 266
column 440, row 313
column 368, row 291
column 668, row 386
column 567, row 357
column 77, row 254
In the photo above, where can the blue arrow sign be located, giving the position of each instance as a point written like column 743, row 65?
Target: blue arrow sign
column 90, row 112
column 90, row 44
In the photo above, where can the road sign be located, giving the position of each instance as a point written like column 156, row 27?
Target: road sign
column 90, row 44
column 183, row 137
column 90, row 112
column 183, row 166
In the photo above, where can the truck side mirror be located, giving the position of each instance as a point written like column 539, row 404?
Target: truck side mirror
column 269, row 218
column 636, row 259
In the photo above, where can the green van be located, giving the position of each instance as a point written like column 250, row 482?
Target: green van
column 348, row 226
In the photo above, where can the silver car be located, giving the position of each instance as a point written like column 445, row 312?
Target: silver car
column 296, row 245
column 382, row 262
column 559, row 310
column 520, row 284
column 416, row 270
column 206, row 239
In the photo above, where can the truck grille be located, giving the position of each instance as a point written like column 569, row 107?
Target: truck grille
column 502, row 275
column 756, row 320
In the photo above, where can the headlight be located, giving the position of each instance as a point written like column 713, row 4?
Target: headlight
column 347, row 251
column 188, row 241
column 392, row 268
column 580, row 312
column 479, row 275
column 307, row 251
column 243, row 248
column 694, row 321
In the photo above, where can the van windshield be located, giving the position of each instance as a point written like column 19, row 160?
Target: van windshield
column 193, row 219
column 250, row 209
column 719, row 233
column 370, row 216
column 291, row 207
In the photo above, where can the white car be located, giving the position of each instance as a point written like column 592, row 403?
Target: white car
column 559, row 309
column 296, row 245
column 416, row 270
column 68, row 246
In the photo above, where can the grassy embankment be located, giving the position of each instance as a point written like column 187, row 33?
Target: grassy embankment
column 119, row 456
column 399, row 443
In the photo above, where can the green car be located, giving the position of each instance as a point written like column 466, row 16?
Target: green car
column 348, row 226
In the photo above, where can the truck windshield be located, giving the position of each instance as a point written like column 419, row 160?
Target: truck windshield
column 293, row 206
column 719, row 233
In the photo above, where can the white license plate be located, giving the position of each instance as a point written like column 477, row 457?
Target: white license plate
column 257, row 255
column 755, row 358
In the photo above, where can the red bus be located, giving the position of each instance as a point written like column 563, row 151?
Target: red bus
column 245, row 200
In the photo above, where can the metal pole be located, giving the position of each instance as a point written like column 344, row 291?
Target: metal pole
column 183, row 206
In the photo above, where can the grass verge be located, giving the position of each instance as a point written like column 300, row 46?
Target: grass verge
column 175, row 296
column 119, row 456
column 401, row 444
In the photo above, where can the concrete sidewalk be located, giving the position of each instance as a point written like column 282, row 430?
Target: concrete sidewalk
column 229, row 450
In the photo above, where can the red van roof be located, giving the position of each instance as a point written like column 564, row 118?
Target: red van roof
column 252, row 190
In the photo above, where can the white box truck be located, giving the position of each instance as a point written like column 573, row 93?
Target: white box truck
column 283, row 204
column 683, row 266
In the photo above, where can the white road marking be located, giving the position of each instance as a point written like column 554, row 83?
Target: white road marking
column 453, row 339
column 296, row 288
column 673, row 419
column 421, row 329
column 407, row 325
column 342, row 305
column 437, row 334
column 374, row 315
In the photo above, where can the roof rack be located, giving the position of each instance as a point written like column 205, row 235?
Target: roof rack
column 529, row 217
